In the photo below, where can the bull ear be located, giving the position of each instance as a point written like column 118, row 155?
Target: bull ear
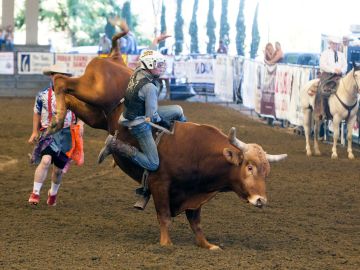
column 233, row 157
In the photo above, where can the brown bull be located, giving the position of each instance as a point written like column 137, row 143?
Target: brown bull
column 94, row 95
column 197, row 162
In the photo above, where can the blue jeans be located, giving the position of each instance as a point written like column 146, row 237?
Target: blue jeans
column 148, row 158
column 171, row 113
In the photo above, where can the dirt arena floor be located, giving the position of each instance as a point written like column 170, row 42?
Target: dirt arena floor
column 312, row 220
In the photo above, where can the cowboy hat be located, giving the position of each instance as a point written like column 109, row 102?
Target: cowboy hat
column 56, row 68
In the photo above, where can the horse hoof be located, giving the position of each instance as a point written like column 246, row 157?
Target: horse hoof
column 317, row 153
column 351, row 156
column 334, row 156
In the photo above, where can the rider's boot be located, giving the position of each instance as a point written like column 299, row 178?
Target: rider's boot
column 116, row 146
column 106, row 150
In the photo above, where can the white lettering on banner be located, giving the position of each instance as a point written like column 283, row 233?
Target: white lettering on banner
column 34, row 63
column 76, row 63
column 7, row 63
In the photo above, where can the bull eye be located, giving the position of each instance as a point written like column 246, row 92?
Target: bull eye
column 250, row 167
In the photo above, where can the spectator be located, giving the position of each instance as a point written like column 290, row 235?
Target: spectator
column 222, row 48
column 9, row 38
column 104, row 44
column 2, row 38
column 269, row 52
column 49, row 149
column 277, row 55
column 128, row 44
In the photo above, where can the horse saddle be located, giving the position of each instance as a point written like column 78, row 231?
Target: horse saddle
column 328, row 85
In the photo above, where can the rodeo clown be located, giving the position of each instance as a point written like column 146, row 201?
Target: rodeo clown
column 49, row 149
column 141, row 109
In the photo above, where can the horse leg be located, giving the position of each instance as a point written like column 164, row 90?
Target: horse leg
column 336, row 122
column 350, row 126
column 307, row 129
column 316, row 136
column 194, row 219
column 160, row 193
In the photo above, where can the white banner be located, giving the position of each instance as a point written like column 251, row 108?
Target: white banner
column 181, row 69
column 224, row 77
column 300, row 77
column 283, row 83
column 201, row 71
column 251, row 86
column 34, row 62
column 7, row 63
column 76, row 63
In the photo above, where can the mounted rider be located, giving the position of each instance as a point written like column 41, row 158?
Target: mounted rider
column 141, row 110
column 333, row 66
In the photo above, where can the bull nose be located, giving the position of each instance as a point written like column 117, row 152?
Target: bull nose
column 259, row 203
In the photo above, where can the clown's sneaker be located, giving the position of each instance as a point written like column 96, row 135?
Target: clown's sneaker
column 34, row 199
column 51, row 200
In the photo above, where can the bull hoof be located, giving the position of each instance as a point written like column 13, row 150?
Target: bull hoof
column 215, row 247
column 166, row 243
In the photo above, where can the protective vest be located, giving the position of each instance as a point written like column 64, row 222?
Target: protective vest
column 134, row 106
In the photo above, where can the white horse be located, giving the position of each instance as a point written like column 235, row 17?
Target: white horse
column 343, row 104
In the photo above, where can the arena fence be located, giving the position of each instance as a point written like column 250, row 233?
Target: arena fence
column 272, row 91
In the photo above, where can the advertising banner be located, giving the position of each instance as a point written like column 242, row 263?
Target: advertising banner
column 76, row 63
column 7, row 63
column 268, row 91
column 238, row 77
column 252, row 73
column 283, row 83
column 224, row 77
column 34, row 62
column 201, row 71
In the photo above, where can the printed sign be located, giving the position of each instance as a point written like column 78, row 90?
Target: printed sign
column 76, row 63
column 34, row 62
column 7, row 63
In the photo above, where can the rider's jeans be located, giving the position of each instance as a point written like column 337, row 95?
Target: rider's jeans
column 148, row 158
column 171, row 112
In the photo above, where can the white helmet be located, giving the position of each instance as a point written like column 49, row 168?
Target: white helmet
column 150, row 59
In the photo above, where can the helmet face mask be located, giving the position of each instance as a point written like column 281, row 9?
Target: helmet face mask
column 152, row 60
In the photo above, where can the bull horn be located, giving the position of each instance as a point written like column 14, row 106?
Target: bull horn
column 236, row 142
column 275, row 158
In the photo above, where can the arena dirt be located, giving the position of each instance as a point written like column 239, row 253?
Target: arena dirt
column 312, row 220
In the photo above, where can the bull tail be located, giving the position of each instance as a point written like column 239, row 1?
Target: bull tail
column 115, row 50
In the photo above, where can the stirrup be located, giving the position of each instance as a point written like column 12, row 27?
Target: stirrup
column 143, row 198
column 142, row 202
